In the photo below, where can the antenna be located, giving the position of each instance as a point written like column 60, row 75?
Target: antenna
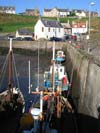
column 29, row 78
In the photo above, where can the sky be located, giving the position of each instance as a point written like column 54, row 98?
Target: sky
column 22, row 5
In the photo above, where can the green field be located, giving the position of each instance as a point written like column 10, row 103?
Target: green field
column 10, row 23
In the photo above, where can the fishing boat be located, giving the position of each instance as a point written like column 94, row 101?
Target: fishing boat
column 56, row 92
column 55, row 83
column 56, row 74
column 11, row 98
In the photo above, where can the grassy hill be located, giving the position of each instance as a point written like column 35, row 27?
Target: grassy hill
column 10, row 23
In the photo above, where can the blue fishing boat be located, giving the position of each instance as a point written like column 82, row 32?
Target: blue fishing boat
column 57, row 74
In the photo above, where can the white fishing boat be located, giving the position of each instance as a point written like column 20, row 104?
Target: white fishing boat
column 56, row 82
column 56, row 76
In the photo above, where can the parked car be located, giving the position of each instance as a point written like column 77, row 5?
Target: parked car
column 19, row 39
column 11, row 36
column 67, row 36
column 74, row 37
column 55, row 39
column 28, row 39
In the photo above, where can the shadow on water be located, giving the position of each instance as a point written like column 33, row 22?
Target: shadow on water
column 29, row 98
column 78, row 123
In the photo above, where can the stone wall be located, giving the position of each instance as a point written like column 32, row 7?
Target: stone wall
column 33, row 44
column 85, row 80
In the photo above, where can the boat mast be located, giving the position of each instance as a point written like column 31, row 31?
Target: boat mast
column 29, row 78
column 53, row 71
column 38, row 67
column 10, row 65
column 41, row 101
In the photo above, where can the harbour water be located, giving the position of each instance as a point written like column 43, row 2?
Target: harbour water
column 21, row 62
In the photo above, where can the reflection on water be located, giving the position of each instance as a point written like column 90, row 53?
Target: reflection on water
column 29, row 98
column 23, row 86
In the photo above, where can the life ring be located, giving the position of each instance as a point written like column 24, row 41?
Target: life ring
column 64, row 80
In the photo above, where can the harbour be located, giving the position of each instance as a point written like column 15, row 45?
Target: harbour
column 29, row 99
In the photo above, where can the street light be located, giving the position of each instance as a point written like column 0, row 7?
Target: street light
column 90, row 4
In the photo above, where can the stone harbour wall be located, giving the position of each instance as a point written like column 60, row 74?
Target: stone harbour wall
column 85, row 81
column 33, row 45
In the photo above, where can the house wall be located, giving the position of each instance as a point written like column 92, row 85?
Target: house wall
column 38, row 30
column 55, row 13
column 33, row 12
column 58, row 32
column 82, row 14
column 7, row 9
column 52, row 13
column 64, row 14
column 10, row 11
column 79, row 30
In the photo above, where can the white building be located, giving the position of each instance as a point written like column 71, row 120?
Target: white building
column 80, row 28
column 7, row 9
column 56, row 12
column 47, row 29
column 80, row 13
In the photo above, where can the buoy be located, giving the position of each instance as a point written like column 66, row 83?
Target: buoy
column 35, row 113
column 26, row 122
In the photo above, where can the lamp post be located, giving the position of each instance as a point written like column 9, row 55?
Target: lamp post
column 90, row 4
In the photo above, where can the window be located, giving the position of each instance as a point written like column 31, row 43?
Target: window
column 42, row 29
column 49, row 29
column 59, row 29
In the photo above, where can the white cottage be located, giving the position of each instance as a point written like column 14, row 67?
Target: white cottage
column 47, row 29
column 80, row 27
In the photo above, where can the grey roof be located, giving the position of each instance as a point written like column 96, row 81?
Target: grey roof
column 62, row 10
column 51, row 23
column 47, row 10
column 7, row 8
column 24, row 32
column 30, row 10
